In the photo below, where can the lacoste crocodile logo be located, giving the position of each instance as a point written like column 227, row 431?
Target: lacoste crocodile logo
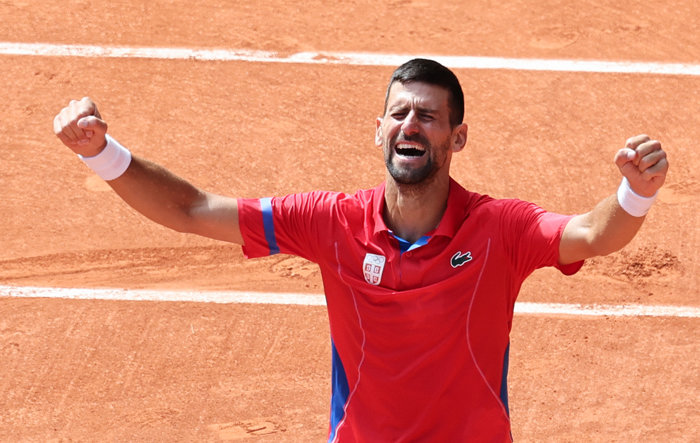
column 459, row 259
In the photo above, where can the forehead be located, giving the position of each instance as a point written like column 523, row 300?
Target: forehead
column 418, row 94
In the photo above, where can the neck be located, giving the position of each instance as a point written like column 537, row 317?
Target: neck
column 411, row 211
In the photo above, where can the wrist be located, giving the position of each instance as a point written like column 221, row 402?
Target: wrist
column 631, row 202
column 111, row 162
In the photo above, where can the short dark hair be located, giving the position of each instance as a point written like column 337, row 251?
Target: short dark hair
column 433, row 73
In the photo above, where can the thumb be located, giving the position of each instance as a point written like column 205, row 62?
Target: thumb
column 624, row 156
column 92, row 123
column 625, row 161
column 94, row 130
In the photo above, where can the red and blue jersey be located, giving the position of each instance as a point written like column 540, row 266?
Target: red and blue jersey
column 420, row 332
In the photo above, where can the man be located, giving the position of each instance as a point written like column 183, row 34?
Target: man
column 420, row 275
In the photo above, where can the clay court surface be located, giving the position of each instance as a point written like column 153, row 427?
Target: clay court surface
column 105, row 370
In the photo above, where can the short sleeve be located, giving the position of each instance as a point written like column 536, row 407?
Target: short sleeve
column 290, row 225
column 533, row 236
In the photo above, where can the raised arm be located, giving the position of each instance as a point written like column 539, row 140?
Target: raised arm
column 609, row 226
column 147, row 187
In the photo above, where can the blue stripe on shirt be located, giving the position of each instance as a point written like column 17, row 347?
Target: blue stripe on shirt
column 269, row 225
column 504, row 380
column 340, row 392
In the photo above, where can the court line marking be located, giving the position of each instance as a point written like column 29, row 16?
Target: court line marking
column 337, row 58
column 283, row 298
column 347, row 58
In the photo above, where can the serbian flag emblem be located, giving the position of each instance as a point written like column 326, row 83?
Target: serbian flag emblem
column 373, row 267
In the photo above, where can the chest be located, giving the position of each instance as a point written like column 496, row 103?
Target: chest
column 442, row 261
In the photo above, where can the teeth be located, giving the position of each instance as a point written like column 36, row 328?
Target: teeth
column 409, row 150
column 409, row 146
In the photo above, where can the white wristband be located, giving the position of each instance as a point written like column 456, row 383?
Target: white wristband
column 111, row 162
column 633, row 203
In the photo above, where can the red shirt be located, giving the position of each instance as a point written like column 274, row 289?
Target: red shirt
column 420, row 338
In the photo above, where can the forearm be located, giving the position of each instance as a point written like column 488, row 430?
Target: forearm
column 605, row 229
column 173, row 202
column 158, row 194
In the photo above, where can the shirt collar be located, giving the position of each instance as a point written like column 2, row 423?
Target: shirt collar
column 456, row 211
column 378, row 209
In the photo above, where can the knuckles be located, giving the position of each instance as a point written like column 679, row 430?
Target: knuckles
column 634, row 142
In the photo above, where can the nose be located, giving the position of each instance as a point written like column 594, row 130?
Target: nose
column 410, row 124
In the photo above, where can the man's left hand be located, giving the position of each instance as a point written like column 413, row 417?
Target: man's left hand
column 644, row 163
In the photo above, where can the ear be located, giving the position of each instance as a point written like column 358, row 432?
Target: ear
column 459, row 137
column 379, row 136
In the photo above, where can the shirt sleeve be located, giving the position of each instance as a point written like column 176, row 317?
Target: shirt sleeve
column 534, row 236
column 288, row 225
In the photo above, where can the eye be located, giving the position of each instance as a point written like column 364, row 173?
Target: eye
column 398, row 115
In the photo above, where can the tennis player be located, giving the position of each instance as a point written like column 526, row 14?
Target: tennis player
column 420, row 274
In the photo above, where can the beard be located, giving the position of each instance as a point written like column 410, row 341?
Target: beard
column 412, row 175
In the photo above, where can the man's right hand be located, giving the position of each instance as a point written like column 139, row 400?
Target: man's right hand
column 147, row 187
column 80, row 127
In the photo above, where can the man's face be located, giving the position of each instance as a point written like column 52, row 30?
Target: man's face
column 415, row 132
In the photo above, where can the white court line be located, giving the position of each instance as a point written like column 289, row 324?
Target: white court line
column 345, row 58
column 280, row 298
column 339, row 58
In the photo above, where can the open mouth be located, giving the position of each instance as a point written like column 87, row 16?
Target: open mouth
column 409, row 150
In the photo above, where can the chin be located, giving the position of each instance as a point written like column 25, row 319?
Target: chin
column 421, row 176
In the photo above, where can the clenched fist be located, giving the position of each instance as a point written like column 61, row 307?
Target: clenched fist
column 644, row 163
column 80, row 127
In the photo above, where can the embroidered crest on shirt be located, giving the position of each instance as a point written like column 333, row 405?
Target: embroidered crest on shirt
column 459, row 259
column 373, row 267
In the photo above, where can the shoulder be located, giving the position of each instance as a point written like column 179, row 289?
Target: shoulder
column 475, row 203
column 502, row 214
column 311, row 200
column 506, row 206
column 332, row 203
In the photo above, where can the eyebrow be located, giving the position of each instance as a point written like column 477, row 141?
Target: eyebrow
column 421, row 109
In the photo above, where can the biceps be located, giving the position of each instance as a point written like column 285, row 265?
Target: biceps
column 216, row 217
column 575, row 243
